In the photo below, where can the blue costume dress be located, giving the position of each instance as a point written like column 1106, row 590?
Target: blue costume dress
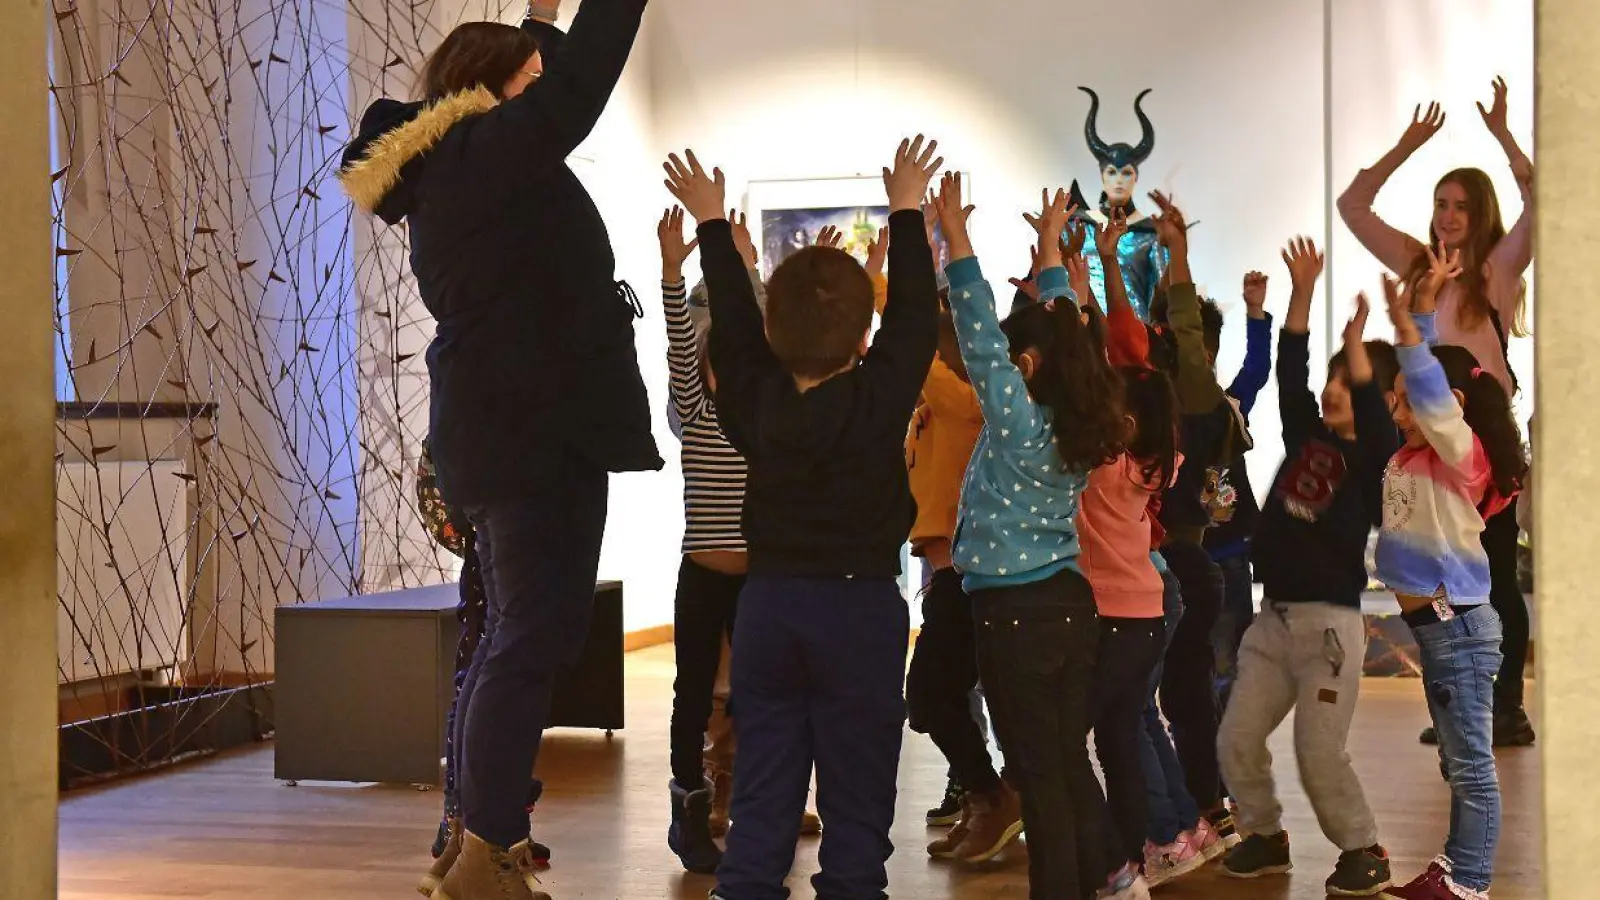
column 1141, row 256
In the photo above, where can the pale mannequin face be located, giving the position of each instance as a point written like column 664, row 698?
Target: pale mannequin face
column 1119, row 184
column 528, row 74
column 1450, row 219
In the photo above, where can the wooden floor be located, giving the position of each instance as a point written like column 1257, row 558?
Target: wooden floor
column 225, row 828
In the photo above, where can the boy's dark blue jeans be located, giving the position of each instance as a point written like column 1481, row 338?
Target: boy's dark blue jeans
column 818, row 679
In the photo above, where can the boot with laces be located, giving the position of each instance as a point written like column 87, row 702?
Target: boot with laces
column 486, row 872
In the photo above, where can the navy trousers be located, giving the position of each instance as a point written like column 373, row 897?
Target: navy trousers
column 540, row 555
column 818, row 680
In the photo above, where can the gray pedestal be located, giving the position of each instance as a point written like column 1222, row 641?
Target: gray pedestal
column 363, row 684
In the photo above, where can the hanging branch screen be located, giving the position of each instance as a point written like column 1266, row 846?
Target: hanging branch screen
column 240, row 356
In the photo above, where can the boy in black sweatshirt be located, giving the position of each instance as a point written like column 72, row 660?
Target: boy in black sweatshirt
column 819, row 647
column 1305, row 650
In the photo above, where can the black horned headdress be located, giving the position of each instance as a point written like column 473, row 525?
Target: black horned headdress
column 1119, row 155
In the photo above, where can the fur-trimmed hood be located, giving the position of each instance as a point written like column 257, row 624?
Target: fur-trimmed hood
column 394, row 135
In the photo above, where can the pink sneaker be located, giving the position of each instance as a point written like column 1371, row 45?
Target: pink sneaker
column 1164, row 863
column 1206, row 840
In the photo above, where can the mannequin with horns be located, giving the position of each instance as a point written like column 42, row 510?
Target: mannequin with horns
column 1141, row 256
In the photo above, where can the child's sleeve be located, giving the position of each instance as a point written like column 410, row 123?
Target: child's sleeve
column 1009, row 413
column 1257, row 366
column 1438, row 413
column 949, row 396
column 1198, row 390
column 740, row 353
column 683, row 355
column 1297, row 406
column 1127, row 341
column 880, row 292
column 909, row 334
column 1428, row 326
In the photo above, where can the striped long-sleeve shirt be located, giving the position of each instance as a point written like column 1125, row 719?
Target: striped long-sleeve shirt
column 713, row 472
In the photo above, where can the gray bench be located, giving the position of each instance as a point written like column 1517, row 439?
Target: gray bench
column 363, row 684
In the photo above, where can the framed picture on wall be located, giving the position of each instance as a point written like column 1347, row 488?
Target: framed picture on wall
column 788, row 215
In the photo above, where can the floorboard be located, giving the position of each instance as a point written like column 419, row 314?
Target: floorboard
column 224, row 828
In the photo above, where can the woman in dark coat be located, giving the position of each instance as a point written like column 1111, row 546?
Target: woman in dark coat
column 537, row 394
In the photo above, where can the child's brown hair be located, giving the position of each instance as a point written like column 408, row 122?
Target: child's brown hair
column 819, row 307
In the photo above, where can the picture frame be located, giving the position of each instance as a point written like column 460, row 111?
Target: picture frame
column 785, row 215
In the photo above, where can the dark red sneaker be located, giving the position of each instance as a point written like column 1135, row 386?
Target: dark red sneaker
column 1434, row 884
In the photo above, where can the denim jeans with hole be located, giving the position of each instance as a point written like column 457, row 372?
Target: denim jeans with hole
column 1459, row 661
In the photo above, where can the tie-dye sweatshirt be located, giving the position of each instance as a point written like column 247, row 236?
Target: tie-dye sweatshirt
column 1431, row 495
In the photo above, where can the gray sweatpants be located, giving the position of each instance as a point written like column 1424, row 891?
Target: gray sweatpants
column 1306, row 657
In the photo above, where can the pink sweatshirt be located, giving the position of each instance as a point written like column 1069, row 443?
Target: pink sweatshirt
column 1114, row 541
column 1503, row 269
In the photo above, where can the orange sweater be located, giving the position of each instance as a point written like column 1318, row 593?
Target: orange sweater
column 944, row 429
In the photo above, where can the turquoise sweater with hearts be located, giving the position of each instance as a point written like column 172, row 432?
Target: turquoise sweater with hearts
column 1019, row 504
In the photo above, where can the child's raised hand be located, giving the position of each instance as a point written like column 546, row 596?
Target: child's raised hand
column 700, row 193
column 829, row 236
column 878, row 252
column 1356, row 328
column 1304, row 262
column 1171, row 228
column 674, row 249
column 1255, row 294
column 1105, row 240
column 1405, row 327
column 742, row 240
column 953, row 215
column 1443, row 267
column 1078, row 276
column 914, row 165
column 930, row 219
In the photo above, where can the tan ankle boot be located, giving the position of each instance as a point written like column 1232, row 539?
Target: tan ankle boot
column 994, row 820
column 721, row 797
column 945, row 847
column 441, row 866
column 487, row 872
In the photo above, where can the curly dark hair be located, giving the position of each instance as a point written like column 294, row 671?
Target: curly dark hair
column 1153, row 403
column 1487, row 410
column 1073, row 380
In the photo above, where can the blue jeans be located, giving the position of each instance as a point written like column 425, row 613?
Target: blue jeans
column 539, row 556
column 1238, row 611
column 818, row 678
column 1459, row 661
column 1172, row 809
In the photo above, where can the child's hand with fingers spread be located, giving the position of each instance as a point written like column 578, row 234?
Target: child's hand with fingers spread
column 1358, row 362
column 878, row 253
column 1304, row 262
column 1443, row 267
column 674, row 249
column 701, row 193
column 914, row 165
column 742, row 240
column 829, row 236
column 1078, row 277
column 953, row 216
column 1029, row 286
column 1051, row 223
column 1255, row 295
